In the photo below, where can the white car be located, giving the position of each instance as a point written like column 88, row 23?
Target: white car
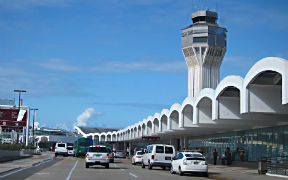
column 70, row 151
column 189, row 162
column 158, row 155
column 97, row 155
column 137, row 158
column 61, row 149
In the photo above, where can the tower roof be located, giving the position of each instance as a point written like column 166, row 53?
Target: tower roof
column 204, row 16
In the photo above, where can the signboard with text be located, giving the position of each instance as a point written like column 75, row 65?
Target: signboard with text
column 8, row 119
column 150, row 138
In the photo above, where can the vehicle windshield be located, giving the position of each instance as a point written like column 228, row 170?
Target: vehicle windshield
column 61, row 145
column 194, row 155
column 97, row 149
column 139, row 153
column 70, row 148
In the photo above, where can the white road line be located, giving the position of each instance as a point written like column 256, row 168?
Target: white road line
column 15, row 171
column 131, row 174
column 21, row 169
column 70, row 173
column 122, row 169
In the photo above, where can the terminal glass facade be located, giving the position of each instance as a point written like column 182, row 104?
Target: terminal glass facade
column 255, row 143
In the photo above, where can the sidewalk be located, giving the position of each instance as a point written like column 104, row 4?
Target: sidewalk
column 17, row 164
column 238, row 171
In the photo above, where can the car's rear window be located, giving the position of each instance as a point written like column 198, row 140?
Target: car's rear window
column 98, row 149
column 139, row 153
column 168, row 150
column 61, row 145
column 119, row 151
column 159, row 149
column 70, row 148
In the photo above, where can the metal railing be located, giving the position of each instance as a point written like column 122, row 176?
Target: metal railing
column 277, row 165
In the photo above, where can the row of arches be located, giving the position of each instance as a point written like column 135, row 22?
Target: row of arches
column 262, row 91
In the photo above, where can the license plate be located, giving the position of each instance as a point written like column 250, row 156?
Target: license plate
column 167, row 158
column 196, row 162
column 97, row 155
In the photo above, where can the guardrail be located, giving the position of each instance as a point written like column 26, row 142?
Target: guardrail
column 277, row 165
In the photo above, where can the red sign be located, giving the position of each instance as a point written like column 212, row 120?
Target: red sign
column 150, row 138
column 8, row 119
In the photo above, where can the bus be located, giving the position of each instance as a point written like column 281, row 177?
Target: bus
column 82, row 145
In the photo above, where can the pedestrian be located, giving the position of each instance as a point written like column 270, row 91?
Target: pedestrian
column 242, row 155
column 215, row 154
column 135, row 150
column 228, row 156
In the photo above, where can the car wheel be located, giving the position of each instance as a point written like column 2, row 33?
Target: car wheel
column 164, row 167
column 143, row 165
column 171, row 170
column 56, row 154
column 87, row 165
column 107, row 166
column 180, row 171
column 149, row 166
column 205, row 174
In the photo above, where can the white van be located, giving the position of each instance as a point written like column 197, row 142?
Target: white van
column 61, row 149
column 158, row 155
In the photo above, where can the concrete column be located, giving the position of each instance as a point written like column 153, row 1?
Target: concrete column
column 186, row 142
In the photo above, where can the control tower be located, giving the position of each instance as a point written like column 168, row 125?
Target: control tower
column 203, row 46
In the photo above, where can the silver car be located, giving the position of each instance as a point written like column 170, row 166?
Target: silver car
column 97, row 155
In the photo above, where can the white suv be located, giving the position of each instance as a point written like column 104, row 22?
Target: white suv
column 97, row 155
column 61, row 149
column 158, row 155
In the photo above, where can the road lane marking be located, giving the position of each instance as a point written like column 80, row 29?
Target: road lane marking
column 71, row 171
column 122, row 169
column 23, row 168
column 131, row 174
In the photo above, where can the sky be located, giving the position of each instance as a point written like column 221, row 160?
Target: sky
column 112, row 63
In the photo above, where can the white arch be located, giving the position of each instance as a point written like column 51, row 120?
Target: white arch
column 156, row 129
column 204, row 93
column 187, row 101
column 175, row 107
column 267, row 64
column 164, row 113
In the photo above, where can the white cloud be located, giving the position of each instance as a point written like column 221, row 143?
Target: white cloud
column 59, row 65
column 85, row 116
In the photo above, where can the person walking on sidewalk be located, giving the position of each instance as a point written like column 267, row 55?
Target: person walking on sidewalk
column 215, row 154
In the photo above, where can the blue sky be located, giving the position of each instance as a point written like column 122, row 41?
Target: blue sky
column 112, row 63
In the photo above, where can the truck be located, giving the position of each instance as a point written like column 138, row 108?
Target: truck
column 82, row 145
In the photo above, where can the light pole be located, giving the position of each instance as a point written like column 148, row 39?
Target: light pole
column 35, row 109
column 19, row 91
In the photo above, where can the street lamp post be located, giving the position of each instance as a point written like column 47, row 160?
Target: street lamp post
column 33, row 141
column 19, row 91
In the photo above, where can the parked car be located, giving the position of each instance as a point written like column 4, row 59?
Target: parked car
column 137, row 158
column 61, row 149
column 120, row 154
column 97, row 155
column 111, row 155
column 189, row 162
column 158, row 155
column 70, row 151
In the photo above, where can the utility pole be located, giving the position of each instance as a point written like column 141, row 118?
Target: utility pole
column 34, row 115
column 19, row 91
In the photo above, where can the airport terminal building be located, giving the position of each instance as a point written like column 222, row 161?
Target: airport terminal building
column 247, row 114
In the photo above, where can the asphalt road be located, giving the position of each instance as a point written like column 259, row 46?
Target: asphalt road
column 74, row 169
